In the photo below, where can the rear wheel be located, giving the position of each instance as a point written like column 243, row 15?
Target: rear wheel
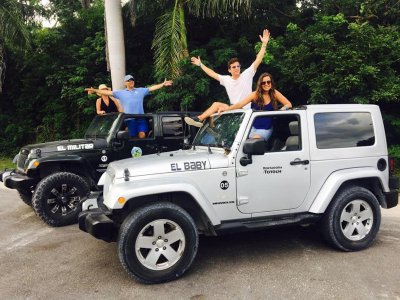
column 352, row 220
column 157, row 243
column 57, row 198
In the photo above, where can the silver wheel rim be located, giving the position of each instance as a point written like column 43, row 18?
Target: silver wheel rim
column 356, row 220
column 160, row 244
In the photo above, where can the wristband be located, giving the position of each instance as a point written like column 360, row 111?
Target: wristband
column 200, row 65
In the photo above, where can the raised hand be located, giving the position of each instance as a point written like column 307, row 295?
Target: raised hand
column 265, row 36
column 167, row 82
column 196, row 60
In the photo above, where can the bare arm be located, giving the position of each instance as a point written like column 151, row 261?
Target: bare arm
column 160, row 85
column 98, row 108
column 117, row 104
column 239, row 104
column 197, row 62
column 101, row 92
column 283, row 100
column 264, row 40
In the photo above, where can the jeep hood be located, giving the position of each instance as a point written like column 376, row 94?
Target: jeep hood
column 169, row 162
column 67, row 145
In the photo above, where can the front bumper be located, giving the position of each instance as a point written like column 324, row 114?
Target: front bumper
column 96, row 221
column 18, row 181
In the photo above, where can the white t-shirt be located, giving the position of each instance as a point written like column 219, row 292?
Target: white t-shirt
column 239, row 88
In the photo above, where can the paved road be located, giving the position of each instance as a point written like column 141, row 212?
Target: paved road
column 40, row 262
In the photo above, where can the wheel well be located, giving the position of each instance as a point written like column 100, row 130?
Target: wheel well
column 48, row 168
column 182, row 199
column 373, row 184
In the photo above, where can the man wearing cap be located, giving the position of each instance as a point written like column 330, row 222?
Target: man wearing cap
column 131, row 99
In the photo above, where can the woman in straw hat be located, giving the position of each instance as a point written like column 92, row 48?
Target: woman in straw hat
column 106, row 104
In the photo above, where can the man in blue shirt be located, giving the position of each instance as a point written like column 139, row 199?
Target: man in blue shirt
column 131, row 100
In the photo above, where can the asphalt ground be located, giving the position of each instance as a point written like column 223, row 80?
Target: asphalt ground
column 41, row 262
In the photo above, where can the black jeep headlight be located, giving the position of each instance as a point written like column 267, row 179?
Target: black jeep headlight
column 35, row 153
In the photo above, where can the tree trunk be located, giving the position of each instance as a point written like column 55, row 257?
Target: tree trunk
column 115, row 42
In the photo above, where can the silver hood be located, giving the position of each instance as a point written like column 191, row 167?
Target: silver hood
column 169, row 162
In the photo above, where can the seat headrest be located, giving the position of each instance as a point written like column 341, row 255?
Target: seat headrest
column 294, row 128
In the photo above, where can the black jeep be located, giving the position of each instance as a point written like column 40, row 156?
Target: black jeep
column 55, row 177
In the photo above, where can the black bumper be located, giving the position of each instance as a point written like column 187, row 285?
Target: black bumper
column 392, row 197
column 14, row 180
column 97, row 223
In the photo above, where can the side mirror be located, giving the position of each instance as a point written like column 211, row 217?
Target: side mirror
column 252, row 147
column 123, row 135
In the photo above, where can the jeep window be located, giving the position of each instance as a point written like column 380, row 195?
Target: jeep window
column 131, row 123
column 285, row 133
column 101, row 126
column 219, row 130
column 172, row 126
column 344, row 130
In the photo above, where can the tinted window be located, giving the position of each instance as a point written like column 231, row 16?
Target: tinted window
column 172, row 126
column 343, row 130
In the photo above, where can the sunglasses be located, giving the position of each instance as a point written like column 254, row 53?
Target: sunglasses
column 235, row 67
column 266, row 82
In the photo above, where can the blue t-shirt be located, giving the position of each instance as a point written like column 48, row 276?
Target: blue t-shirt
column 262, row 122
column 132, row 101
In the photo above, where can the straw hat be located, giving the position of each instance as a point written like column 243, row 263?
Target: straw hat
column 103, row 87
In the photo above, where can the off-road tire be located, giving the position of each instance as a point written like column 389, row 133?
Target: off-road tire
column 58, row 198
column 170, row 221
column 352, row 220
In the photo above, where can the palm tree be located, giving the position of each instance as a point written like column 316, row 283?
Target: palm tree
column 169, row 42
column 13, row 31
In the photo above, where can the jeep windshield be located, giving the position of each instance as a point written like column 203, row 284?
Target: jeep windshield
column 219, row 130
column 101, row 126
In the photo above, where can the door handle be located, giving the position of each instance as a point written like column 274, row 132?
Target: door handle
column 299, row 162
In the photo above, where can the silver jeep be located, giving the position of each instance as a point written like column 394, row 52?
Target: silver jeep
column 323, row 164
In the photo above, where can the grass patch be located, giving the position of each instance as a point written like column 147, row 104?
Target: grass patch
column 6, row 162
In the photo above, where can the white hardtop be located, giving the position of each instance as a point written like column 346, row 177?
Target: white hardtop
column 341, row 107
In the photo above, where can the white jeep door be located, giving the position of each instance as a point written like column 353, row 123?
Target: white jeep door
column 279, row 179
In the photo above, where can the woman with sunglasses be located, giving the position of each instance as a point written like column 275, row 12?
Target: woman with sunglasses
column 266, row 98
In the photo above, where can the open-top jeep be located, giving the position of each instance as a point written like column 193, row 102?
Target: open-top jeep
column 323, row 164
column 55, row 177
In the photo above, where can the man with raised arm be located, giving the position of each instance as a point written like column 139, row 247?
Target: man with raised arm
column 238, row 85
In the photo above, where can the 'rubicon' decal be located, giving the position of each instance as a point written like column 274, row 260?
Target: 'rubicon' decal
column 75, row 147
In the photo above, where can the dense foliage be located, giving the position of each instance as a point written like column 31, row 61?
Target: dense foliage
column 342, row 51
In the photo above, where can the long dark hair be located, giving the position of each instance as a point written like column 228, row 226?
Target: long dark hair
column 260, row 92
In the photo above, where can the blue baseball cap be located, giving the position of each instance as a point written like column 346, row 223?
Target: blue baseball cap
column 128, row 77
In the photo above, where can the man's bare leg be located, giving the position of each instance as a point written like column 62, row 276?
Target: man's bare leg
column 198, row 121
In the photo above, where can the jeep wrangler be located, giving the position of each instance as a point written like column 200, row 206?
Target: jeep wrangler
column 323, row 164
column 55, row 177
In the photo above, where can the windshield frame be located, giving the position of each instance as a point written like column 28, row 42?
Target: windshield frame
column 214, row 130
column 96, row 131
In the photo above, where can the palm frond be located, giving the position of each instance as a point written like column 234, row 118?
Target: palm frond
column 138, row 8
column 12, row 26
column 169, row 43
column 213, row 8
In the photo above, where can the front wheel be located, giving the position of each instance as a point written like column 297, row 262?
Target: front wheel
column 352, row 220
column 57, row 198
column 157, row 243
